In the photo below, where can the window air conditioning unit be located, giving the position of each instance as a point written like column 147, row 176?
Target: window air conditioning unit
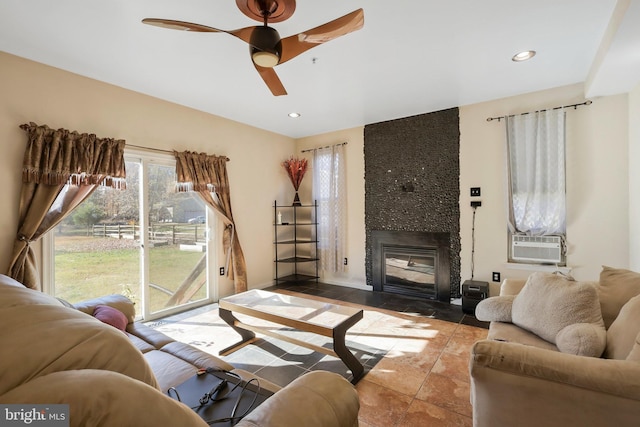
column 543, row 249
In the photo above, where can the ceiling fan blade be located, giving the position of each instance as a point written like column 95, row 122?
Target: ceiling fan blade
column 293, row 46
column 243, row 34
column 272, row 80
column 180, row 25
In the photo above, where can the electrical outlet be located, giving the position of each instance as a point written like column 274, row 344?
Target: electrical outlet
column 476, row 203
column 475, row 191
column 222, row 271
column 345, row 261
column 496, row 276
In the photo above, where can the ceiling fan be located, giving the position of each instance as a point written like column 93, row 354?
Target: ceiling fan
column 266, row 47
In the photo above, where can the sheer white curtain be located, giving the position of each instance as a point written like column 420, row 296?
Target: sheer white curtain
column 329, row 189
column 536, row 162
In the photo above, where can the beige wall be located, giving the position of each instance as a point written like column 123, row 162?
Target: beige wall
column 634, row 179
column 34, row 92
column 597, row 183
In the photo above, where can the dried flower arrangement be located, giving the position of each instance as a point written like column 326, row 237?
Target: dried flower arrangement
column 296, row 168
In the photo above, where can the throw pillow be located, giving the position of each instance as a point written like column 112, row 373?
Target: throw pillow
column 583, row 339
column 621, row 336
column 617, row 286
column 111, row 316
column 549, row 303
column 495, row 309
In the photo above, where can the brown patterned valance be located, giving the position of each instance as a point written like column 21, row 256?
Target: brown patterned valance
column 60, row 156
column 200, row 171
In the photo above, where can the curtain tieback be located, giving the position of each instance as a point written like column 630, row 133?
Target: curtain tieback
column 233, row 232
column 23, row 238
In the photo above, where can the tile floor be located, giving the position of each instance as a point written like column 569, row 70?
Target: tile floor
column 415, row 354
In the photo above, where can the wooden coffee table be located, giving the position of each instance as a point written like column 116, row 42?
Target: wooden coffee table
column 329, row 320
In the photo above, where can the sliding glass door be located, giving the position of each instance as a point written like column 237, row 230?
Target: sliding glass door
column 177, row 243
column 146, row 242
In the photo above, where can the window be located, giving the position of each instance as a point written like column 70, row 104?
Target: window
column 101, row 247
column 536, row 165
column 329, row 190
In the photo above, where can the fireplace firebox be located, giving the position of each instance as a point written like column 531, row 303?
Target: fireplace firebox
column 412, row 263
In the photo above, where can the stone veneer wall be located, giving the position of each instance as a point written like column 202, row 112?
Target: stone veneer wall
column 412, row 175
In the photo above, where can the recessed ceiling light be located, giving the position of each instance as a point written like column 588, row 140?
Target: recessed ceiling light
column 294, row 115
column 524, row 55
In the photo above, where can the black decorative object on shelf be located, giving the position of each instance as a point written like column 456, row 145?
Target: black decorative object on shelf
column 295, row 243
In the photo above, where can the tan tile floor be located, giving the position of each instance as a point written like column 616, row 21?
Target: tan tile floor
column 421, row 377
column 422, row 380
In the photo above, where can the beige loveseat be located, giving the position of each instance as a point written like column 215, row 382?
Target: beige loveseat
column 520, row 379
column 51, row 354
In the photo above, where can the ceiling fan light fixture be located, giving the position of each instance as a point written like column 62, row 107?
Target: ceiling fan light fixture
column 294, row 115
column 265, row 46
column 523, row 56
column 265, row 59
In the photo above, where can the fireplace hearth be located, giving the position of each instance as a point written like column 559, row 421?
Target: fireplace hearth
column 412, row 263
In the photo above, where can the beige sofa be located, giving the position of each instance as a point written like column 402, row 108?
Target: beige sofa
column 519, row 379
column 53, row 354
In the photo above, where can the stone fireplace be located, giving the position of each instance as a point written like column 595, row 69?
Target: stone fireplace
column 412, row 209
column 411, row 263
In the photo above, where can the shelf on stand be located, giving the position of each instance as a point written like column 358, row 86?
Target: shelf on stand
column 295, row 242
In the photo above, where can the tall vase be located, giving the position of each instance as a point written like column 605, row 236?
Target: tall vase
column 296, row 200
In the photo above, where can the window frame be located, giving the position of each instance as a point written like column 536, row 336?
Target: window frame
column 145, row 158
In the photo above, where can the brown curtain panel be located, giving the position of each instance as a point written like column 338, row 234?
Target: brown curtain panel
column 207, row 175
column 60, row 169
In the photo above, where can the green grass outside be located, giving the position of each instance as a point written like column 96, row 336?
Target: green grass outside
column 90, row 274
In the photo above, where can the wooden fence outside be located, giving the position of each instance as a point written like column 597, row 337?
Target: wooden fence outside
column 170, row 233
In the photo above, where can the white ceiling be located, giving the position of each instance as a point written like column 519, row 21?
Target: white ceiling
column 411, row 57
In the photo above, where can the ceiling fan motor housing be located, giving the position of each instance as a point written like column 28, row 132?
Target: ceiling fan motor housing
column 265, row 46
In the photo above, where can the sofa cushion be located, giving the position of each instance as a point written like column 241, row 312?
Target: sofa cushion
column 56, row 338
column 155, row 338
column 548, row 303
column 140, row 344
column 111, row 316
column 622, row 334
column 634, row 355
column 194, row 356
column 104, row 399
column 169, row 370
column 333, row 400
column 508, row 332
column 617, row 286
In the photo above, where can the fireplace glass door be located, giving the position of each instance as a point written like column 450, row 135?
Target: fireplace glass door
column 410, row 270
